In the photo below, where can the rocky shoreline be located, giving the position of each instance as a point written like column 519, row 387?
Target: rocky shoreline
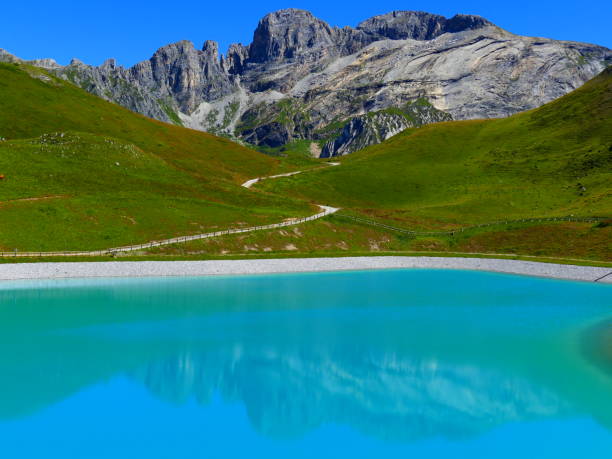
column 83, row 270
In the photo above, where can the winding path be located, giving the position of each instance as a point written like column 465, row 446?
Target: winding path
column 250, row 183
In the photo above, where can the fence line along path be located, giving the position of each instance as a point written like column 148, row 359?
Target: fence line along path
column 472, row 227
column 325, row 210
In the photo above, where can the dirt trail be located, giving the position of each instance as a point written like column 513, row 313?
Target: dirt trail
column 250, row 183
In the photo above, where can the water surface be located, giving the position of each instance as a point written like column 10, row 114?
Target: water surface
column 400, row 363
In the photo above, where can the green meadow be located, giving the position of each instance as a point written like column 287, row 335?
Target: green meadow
column 552, row 161
column 81, row 173
column 549, row 162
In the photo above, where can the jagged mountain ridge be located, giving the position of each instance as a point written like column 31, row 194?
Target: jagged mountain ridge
column 300, row 75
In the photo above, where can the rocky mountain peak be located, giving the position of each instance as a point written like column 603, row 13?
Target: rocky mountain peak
column 181, row 72
column 343, row 87
column 45, row 63
column 211, row 47
column 76, row 62
column 179, row 47
column 288, row 14
column 418, row 25
column 400, row 25
column 109, row 64
column 461, row 22
column 237, row 54
column 287, row 34
column 5, row 56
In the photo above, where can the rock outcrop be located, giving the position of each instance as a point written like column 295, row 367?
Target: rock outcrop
column 464, row 66
column 7, row 57
column 376, row 127
column 290, row 34
column 418, row 25
column 176, row 79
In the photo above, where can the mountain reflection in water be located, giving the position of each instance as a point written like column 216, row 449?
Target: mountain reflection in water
column 389, row 396
column 396, row 355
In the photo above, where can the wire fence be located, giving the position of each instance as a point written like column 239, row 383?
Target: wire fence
column 295, row 221
column 473, row 227
column 177, row 240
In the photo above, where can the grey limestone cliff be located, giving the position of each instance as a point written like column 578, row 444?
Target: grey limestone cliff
column 300, row 75
column 375, row 127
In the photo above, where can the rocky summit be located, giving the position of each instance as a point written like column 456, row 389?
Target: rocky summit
column 344, row 88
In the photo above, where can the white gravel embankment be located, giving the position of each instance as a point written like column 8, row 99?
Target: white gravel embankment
column 22, row 271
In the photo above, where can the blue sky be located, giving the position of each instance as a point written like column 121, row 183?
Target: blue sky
column 131, row 31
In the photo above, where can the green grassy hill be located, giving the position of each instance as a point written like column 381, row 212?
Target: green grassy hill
column 555, row 160
column 82, row 173
column 552, row 161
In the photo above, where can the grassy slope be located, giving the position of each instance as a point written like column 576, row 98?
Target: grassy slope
column 335, row 236
column 555, row 160
column 114, row 177
column 552, row 161
column 294, row 155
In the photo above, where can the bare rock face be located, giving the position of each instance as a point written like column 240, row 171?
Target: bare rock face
column 363, row 131
column 300, row 75
column 401, row 25
column 235, row 61
column 118, row 85
column 7, row 57
column 176, row 79
column 45, row 63
column 417, row 25
column 481, row 73
column 376, row 127
column 185, row 75
column 289, row 34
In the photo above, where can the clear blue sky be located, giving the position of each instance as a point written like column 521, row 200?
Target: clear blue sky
column 131, row 31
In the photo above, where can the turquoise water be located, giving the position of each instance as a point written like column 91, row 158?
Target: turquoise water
column 401, row 363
